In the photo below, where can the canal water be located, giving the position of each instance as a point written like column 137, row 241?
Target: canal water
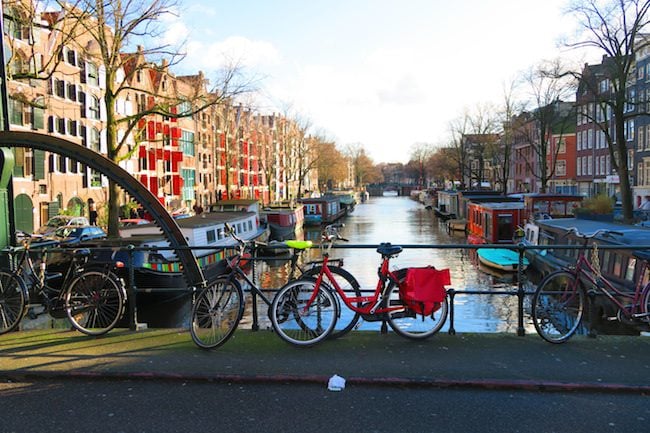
column 402, row 221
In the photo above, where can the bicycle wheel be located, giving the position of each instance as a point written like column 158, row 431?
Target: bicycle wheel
column 297, row 320
column 409, row 324
column 94, row 302
column 558, row 306
column 13, row 301
column 216, row 313
column 347, row 318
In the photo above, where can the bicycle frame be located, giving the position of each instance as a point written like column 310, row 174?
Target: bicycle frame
column 364, row 305
column 585, row 269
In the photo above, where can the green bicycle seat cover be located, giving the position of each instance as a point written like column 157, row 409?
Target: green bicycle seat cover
column 299, row 245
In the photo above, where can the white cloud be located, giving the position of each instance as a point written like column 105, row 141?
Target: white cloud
column 235, row 49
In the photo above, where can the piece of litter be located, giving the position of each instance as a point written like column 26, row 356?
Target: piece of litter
column 336, row 383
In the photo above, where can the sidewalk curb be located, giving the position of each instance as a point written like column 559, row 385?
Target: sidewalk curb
column 487, row 384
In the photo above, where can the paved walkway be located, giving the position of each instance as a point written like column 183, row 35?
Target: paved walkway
column 607, row 363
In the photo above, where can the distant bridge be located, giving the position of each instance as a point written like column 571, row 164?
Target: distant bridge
column 378, row 189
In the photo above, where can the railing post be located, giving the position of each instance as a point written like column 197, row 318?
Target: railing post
column 452, row 294
column 521, row 294
column 131, row 291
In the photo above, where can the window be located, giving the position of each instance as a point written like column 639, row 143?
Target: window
column 38, row 114
column 211, row 236
column 95, row 142
column 95, row 179
column 94, row 107
column 560, row 167
column 16, row 112
column 604, row 86
column 59, row 88
column 92, row 74
column 72, row 57
column 561, row 146
column 187, row 143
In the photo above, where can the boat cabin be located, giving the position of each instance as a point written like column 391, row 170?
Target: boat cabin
column 493, row 222
column 322, row 210
column 544, row 206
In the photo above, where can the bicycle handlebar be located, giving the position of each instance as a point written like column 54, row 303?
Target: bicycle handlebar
column 585, row 236
column 331, row 233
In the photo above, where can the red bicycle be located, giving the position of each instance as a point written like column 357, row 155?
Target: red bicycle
column 413, row 300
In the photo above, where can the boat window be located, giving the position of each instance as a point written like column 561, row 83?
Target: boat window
column 645, row 278
column 618, row 265
column 250, row 225
column 504, row 227
column 239, row 229
column 629, row 273
column 605, row 264
column 210, row 234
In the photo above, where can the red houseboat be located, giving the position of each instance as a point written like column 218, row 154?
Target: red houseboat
column 494, row 222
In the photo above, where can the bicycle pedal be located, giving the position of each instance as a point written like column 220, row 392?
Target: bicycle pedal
column 611, row 319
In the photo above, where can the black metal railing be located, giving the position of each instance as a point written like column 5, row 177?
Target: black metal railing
column 523, row 289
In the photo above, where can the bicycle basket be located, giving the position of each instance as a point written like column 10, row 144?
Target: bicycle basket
column 423, row 290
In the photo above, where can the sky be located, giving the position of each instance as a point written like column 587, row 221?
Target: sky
column 382, row 73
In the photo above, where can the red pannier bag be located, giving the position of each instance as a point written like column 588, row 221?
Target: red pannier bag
column 424, row 289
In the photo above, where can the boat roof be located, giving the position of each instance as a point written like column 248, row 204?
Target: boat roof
column 497, row 205
column 212, row 218
column 632, row 235
column 320, row 199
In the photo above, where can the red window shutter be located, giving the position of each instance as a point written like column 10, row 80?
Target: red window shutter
column 153, row 185
column 151, row 130
column 152, row 159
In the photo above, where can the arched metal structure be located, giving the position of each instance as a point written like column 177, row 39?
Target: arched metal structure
column 124, row 179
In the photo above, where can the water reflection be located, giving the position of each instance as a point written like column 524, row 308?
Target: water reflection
column 402, row 221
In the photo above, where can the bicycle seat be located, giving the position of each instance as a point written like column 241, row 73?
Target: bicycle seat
column 299, row 245
column 387, row 249
column 81, row 253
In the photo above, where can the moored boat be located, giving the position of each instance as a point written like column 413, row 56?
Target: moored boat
column 494, row 222
column 284, row 221
column 322, row 210
column 503, row 259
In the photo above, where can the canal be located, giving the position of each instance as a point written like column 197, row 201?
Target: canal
column 403, row 221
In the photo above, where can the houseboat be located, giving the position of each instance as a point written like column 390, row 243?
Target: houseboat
column 284, row 221
column 464, row 198
column 348, row 200
column 206, row 232
column 494, row 222
column 547, row 206
column 447, row 207
column 322, row 210
column 619, row 266
column 239, row 205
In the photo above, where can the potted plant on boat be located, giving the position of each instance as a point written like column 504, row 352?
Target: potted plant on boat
column 599, row 208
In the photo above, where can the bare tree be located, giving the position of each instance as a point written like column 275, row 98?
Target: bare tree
column 480, row 141
column 109, row 27
column 549, row 88
column 420, row 153
column 458, row 128
column 618, row 29
column 502, row 153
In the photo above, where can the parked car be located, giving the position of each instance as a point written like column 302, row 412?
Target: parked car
column 73, row 235
column 62, row 221
column 128, row 222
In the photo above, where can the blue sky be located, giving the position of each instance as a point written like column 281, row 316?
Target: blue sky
column 383, row 73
